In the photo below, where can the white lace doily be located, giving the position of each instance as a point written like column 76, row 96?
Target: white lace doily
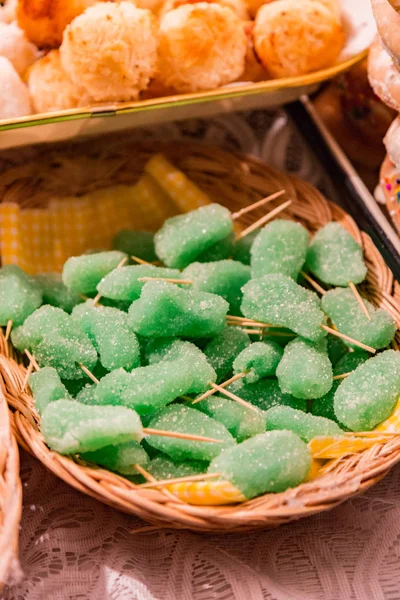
column 74, row 548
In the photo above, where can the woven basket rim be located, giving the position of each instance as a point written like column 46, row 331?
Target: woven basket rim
column 235, row 178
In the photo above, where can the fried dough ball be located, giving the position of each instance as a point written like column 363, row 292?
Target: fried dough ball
column 254, row 5
column 15, row 47
column 51, row 89
column 9, row 11
column 14, row 97
column 111, row 50
column 238, row 6
column 45, row 20
column 202, row 46
column 294, row 39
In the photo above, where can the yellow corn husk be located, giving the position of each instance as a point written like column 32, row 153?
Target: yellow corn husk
column 186, row 195
column 336, row 447
column 392, row 423
column 207, row 493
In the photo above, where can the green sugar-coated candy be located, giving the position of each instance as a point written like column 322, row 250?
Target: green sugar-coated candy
column 82, row 274
column 222, row 350
column 162, row 467
column 265, row 393
column 268, row 462
column 224, row 277
column 111, row 387
column 302, row 424
column 69, row 426
column 260, row 359
column 305, row 370
column 336, row 348
column 280, row 247
column 136, row 243
column 346, row 314
column 195, row 361
column 240, row 421
column 20, row 295
column 242, row 247
column 368, row 396
column 165, row 310
column 279, row 300
column 218, row 251
column 66, row 354
column 123, row 284
column 183, row 238
column 120, row 457
column 108, row 330
column 335, row 257
column 46, row 320
column 323, row 407
column 47, row 387
column 56, row 293
column 180, row 418
column 87, row 394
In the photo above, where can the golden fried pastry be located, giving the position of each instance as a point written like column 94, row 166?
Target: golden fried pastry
column 253, row 68
column 9, row 11
column 254, row 5
column 383, row 75
column 14, row 97
column 294, row 38
column 111, row 51
column 202, row 46
column 45, row 20
column 51, row 89
column 238, row 6
column 15, row 47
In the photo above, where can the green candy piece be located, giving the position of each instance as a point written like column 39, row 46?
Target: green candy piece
column 195, row 361
column 123, row 284
column 66, row 354
column 336, row 348
column 240, row 421
column 260, row 359
column 222, row 350
column 345, row 312
column 180, row 418
column 218, row 251
column 335, row 257
column 280, row 247
column 162, row 467
column 136, row 243
column 108, row 330
column 323, row 407
column 242, row 247
column 268, row 462
column 69, row 427
column 56, row 293
column 20, row 295
column 47, row 387
column 165, row 310
column 279, row 300
column 120, row 457
column 183, row 238
column 224, row 277
column 82, row 274
column 46, row 320
column 87, row 394
column 265, row 393
column 302, row 424
column 368, row 396
column 305, row 370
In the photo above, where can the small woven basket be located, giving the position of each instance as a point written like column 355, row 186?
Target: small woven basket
column 234, row 181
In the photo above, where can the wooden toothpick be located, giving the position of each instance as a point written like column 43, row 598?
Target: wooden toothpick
column 237, row 399
column 140, row 260
column 8, row 330
column 32, row 359
column 314, row 284
column 88, row 373
column 359, row 299
column 180, row 436
column 342, row 376
column 255, row 205
column 27, row 375
column 223, row 385
column 187, row 479
column 169, row 279
column 263, row 220
column 149, row 477
column 349, row 339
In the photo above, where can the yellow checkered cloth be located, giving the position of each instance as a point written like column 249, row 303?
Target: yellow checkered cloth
column 41, row 240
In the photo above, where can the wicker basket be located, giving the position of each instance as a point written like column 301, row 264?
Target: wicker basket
column 235, row 181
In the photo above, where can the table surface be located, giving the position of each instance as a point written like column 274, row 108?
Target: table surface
column 75, row 548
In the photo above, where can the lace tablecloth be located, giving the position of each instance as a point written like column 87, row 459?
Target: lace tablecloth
column 74, row 548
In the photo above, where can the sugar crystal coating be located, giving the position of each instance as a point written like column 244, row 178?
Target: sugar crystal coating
column 56, row 293
column 219, row 251
column 302, row 424
column 20, row 295
column 280, row 247
column 83, row 273
column 268, row 462
column 165, row 310
column 45, row 320
column 183, row 238
column 368, row 396
column 189, row 420
column 66, row 354
column 120, row 457
column 349, row 318
column 162, row 467
column 123, row 284
column 224, row 277
column 136, row 243
column 278, row 300
column 305, row 370
column 242, row 247
column 335, row 257
column 260, row 359
column 87, row 394
column 265, row 393
column 47, row 387
column 222, row 350
column 69, row 427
